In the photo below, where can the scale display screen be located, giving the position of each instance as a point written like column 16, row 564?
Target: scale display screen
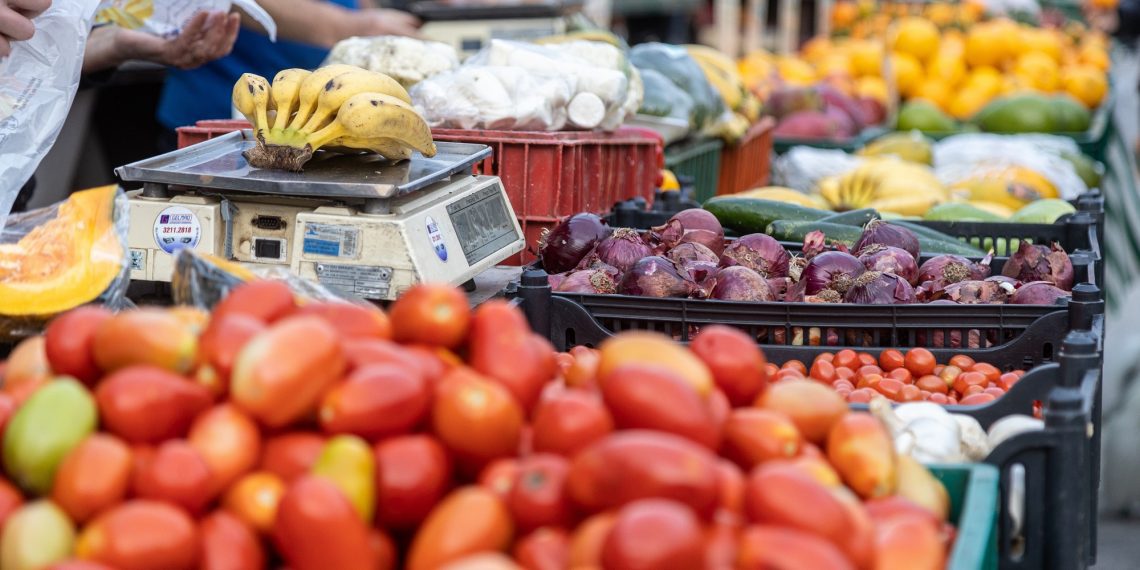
column 482, row 223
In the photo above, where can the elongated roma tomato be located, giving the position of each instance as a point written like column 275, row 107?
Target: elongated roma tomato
column 753, row 436
column 544, row 549
column 316, row 528
column 151, row 337
column 144, row 404
column 27, row 369
column 376, row 401
column 499, row 329
column 280, row 375
column 477, row 419
column 254, row 499
column 767, row 546
column 93, row 477
column 141, row 535
column 640, row 464
column 863, row 453
column 469, row 521
column 264, row 299
column 568, row 422
column 291, row 454
column 350, row 320
column 229, row 544
column 78, row 565
column 431, row 314
column 651, row 396
column 230, row 443
column 178, row 475
column 588, row 538
column 218, row 348
column 69, row 342
column 737, row 364
column 413, row 474
column 640, row 347
column 654, row 534
column 538, row 496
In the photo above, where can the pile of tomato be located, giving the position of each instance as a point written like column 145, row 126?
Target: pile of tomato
column 279, row 433
column 903, row 377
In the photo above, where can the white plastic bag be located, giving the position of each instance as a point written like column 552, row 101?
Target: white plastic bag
column 166, row 18
column 495, row 98
column 802, row 167
column 37, row 85
column 962, row 156
column 406, row 60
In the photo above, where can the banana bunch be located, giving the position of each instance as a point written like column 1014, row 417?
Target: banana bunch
column 724, row 75
column 887, row 185
column 337, row 107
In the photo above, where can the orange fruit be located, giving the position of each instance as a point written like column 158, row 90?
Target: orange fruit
column 967, row 102
column 872, row 88
column 984, row 46
column 843, row 14
column 935, row 91
column 1039, row 69
column 948, row 69
column 1086, row 84
column 915, row 36
column 908, row 72
column 867, row 57
column 1095, row 56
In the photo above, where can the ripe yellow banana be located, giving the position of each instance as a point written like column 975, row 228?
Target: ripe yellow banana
column 311, row 88
column 284, row 92
column 251, row 97
column 374, row 116
column 341, row 88
column 389, row 148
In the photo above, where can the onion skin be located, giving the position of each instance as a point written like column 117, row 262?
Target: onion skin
column 780, row 286
column 834, row 270
column 622, row 249
column 978, row 292
column 656, row 276
column 885, row 233
column 758, row 252
column 556, row 279
column 589, row 281
column 1040, row 263
column 878, row 288
column 694, row 225
column 1038, row 293
column 691, row 251
column 739, row 283
column 571, row 240
column 946, row 269
column 890, row 259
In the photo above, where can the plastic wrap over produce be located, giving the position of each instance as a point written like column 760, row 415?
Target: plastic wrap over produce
column 961, row 157
column 803, row 167
column 62, row 256
column 166, row 18
column 37, row 84
column 406, row 60
column 520, row 86
column 202, row 280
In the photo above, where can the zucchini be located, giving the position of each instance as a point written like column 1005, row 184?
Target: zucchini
column 929, row 239
column 752, row 215
column 794, row 231
column 853, row 218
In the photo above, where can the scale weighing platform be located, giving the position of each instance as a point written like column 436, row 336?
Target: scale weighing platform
column 469, row 26
column 360, row 224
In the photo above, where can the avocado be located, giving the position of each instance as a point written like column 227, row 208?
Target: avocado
column 1088, row 169
column 1029, row 113
column 1069, row 115
column 924, row 116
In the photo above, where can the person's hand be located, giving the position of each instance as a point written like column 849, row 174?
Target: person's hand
column 206, row 38
column 16, row 21
column 385, row 22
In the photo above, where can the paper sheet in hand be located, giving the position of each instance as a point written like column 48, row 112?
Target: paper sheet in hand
column 166, row 18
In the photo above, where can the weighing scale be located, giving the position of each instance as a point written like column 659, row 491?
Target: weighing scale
column 360, row 224
column 469, row 26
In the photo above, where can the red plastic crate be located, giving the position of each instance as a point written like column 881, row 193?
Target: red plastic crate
column 749, row 164
column 549, row 176
column 206, row 130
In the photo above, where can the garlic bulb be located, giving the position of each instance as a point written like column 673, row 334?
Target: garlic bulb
column 975, row 445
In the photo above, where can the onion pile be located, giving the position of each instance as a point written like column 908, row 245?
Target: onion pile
column 687, row 257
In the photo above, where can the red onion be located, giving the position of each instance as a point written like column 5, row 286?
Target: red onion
column 556, row 279
column 739, row 283
column 831, row 270
column 703, row 274
column 656, row 276
column 758, row 252
column 978, row 292
column 594, row 281
column 825, row 296
column 622, row 249
column 890, row 259
column 1038, row 293
column 1040, row 263
column 884, row 233
column 946, row 269
column 1003, row 279
column 691, row 251
column 779, row 286
column 878, row 288
column 564, row 246
column 815, row 243
column 795, row 293
column 692, row 225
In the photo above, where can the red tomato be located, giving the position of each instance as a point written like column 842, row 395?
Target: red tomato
column 364, row 352
column 637, row 464
column 93, row 477
column 317, row 528
column 920, row 361
column 570, row 421
column 385, row 549
column 861, row 395
column 583, row 371
column 737, row 364
column 789, row 374
column 991, row 372
column 477, row 419
column 1007, row 380
column 902, row 375
column 932, row 383
column 811, row 406
column 7, row 409
column 431, row 314
column 977, row 399
column 939, row 398
column 538, row 496
column 766, row 546
column 797, row 366
column 218, row 348
column 843, row 385
column 721, row 544
column 499, row 329
column 499, row 476
column 543, row 549
column 229, row 544
column 148, row 336
column 291, row 455
column 265, row 300
column 588, row 538
column 910, row 393
column 753, row 436
column 908, row 541
column 413, row 473
column 823, row 371
column 847, row 358
column 27, row 369
column 654, row 534
column 966, row 380
column 10, row 500
column 352, row 321
column 730, row 481
column 178, row 475
column 376, row 401
column 281, row 374
column 647, row 396
column 890, row 388
column 78, row 565
column 770, row 370
column 254, row 499
column 229, row 442
column 144, row 404
column 69, row 342
column 469, row 521
column 844, row 373
column 891, row 360
column 141, row 535
column 868, row 371
column 828, row 356
column 962, row 361
column 866, row 359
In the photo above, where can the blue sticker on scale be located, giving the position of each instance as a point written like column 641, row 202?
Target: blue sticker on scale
column 330, row 240
column 436, row 238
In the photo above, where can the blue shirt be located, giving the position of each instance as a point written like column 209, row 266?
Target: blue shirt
column 205, row 92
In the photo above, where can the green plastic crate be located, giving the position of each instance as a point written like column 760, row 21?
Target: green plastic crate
column 699, row 159
column 974, row 497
